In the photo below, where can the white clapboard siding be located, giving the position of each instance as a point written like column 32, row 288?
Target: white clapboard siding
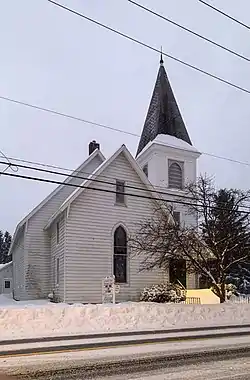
column 37, row 241
column 6, row 273
column 92, row 219
column 57, row 252
column 19, row 266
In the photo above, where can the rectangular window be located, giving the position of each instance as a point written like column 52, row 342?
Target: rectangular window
column 120, row 190
column 57, row 271
column 7, row 284
column 178, row 272
column 57, row 233
column 177, row 217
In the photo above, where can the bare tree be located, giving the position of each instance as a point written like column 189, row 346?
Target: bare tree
column 211, row 248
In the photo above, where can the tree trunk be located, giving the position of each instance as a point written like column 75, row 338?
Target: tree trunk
column 223, row 293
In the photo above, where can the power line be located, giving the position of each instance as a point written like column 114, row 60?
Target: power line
column 95, row 180
column 101, row 126
column 150, row 47
column 65, row 115
column 91, row 177
column 73, row 171
column 14, row 168
column 225, row 14
column 189, row 30
column 87, row 187
column 107, row 190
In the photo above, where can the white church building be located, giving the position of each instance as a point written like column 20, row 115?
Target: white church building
column 78, row 234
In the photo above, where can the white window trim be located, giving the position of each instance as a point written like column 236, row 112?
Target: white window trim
column 57, row 271
column 7, row 279
column 57, row 232
column 123, row 204
column 124, row 284
column 181, row 164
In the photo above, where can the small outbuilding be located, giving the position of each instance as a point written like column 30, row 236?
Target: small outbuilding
column 6, row 278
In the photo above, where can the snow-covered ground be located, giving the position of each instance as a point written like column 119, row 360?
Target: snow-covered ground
column 7, row 301
column 41, row 318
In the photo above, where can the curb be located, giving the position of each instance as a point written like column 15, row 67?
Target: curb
column 119, row 334
column 96, row 345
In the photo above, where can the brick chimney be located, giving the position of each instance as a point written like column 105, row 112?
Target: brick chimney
column 93, row 145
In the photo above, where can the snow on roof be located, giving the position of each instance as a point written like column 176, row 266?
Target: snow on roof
column 5, row 265
column 172, row 142
column 97, row 172
column 54, row 192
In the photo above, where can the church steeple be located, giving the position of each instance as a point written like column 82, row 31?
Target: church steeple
column 163, row 115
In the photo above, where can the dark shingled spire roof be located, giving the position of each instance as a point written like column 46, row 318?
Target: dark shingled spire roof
column 163, row 115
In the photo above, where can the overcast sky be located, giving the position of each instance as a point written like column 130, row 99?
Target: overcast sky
column 57, row 60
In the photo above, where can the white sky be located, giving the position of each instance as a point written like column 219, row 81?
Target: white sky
column 57, row 60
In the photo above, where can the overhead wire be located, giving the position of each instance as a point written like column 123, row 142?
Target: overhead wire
column 150, row 47
column 90, row 177
column 109, row 190
column 101, row 125
column 65, row 115
column 225, row 14
column 11, row 166
column 105, row 127
column 189, row 30
column 75, row 174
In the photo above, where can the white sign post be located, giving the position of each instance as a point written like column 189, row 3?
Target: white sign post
column 108, row 289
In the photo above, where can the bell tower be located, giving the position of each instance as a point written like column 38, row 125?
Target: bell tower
column 165, row 151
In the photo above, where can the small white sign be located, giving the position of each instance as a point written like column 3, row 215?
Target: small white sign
column 108, row 289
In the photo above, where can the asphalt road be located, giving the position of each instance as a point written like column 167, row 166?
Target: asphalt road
column 221, row 355
column 236, row 369
column 233, row 363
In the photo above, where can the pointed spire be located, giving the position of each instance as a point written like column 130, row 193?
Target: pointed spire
column 161, row 60
column 163, row 115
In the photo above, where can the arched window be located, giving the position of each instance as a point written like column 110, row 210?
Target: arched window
column 120, row 255
column 145, row 169
column 175, row 176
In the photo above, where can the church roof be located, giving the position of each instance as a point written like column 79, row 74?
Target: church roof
column 21, row 224
column 163, row 117
column 99, row 170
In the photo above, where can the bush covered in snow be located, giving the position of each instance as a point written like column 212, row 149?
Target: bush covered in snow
column 231, row 290
column 240, row 277
column 163, row 293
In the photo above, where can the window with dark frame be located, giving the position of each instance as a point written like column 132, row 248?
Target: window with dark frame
column 57, row 233
column 178, row 272
column 120, row 192
column 120, row 255
column 145, row 169
column 177, row 217
column 57, row 271
column 7, row 284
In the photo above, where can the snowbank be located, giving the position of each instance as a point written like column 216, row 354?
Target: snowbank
column 61, row 319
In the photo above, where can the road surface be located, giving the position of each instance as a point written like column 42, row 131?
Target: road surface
column 220, row 356
column 237, row 369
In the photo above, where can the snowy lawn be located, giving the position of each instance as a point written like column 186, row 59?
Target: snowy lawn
column 40, row 318
column 6, row 300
